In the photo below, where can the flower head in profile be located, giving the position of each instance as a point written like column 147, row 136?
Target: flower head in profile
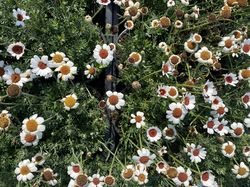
column 20, row 16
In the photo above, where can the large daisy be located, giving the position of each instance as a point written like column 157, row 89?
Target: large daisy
column 41, row 66
column 16, row 49
column 241, row 171
column 237, row 129
column 183, row 177
column 228, row 43
column 70, row 102
column 20, row 16
column 230, row 79
column 103, row 54
column 114, row 100
column 15, row 77
column 24, row 170
column 145, row 157
column 33, row 124
column 58, row 58
column 66, row 71
column 176, row 113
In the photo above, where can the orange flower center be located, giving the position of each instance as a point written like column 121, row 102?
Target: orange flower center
column 103, row 53
column 42, row 65
column 65, row 69
column 172, row 92
column 177, row 112
column 182, row 176
column 229, row 149
column 165, row 68
column 134, row 57
column 81, row 180
column 197, row 38
column 31, row 125
column 205, row 55
column 172, row 172
column 141, row 177
column 15, row 77
column 242, row 171
column 191, row 45
column 144, row 159
column 165, row 21
column 24, row 170
column 4, row 122
column 57, row 58
column 152, row 132
column 138, row 119
column 128, row 173
column 113, row 99
column 245, row 73
column 228, row 43
column 238, row 131
column 70, row 101
column 30, row 138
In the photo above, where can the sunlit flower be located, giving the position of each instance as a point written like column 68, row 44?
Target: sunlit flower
column 103, row 54
column 169, row 133
column 211, row 124
column 38, row 159
column 221, row 127
column 90, row 71
column 228, row 149
column 176, row 113
column 153, row 134
column 20, row 16
column 16, row 49
column 183, row 177
column 245, row 47
column 204, row 56
column 155, row 23
column 15, row 77
column 244, row 74
column 66, row 71
column 237, row 129
column 219, row 111
column 189, row 101
column 115, row 100
column 33, row 124
column 132, row 10
column 4, row 120
column 49, row 177
column 41, row 66
column 145, row 157
column 241, row 171
column 190, row 46
column 24, row 170
column 246, row 100
column 230, row 79
column 128, row 172
column 58, row 58
column 141, row 176
column 228, row 43
column 103, row 2
column 197, row 154
column 96, row 180
column 208, row 179
column 74, row 170
column 134, row 58
column 29, row 139
column 167, row 68
column 196, row 38
column 70, row 102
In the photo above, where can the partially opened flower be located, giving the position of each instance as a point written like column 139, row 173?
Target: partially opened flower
column 70, row 102
column 41, row 66
column 172, row 92
column 245, row 47
column 176, row 113
column 208, row 179
column 66, row 71
column 246, row 100
column 230, row 79
column 178, row 24
column 16, row 49
column 58, row 58
column 128, row 172
column 20, row 16
column 15, row 77
column 38, row 159
column 174, row 60
column 228, row 43
column 162, row 91
column 29, row 139
column 90, row 71
column 196, row 38
column 185, row 2
column 4, row 120
column 164, row 22
column 241, row 171
column 169, row 133
column 49, row 177
column 115, row 100
column 141, row 176
column 103, row 2
column 161, row 167
column 197, row 154
column 228, row 149
column 25, row 170
column 134, row 58
column 145, row 157
column 204, row 56
column 189, row 101
column 96, row 180
column 167, row 68
column 237, row 129
column 33, row 124
column 129, row 24
column 153, row 134
column 190, row 46
column 109, row 180
column 183, row 177
column 74, row 170
column 103, row 54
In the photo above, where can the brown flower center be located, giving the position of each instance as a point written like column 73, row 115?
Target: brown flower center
column 165, row 21
column 31, row 125
column 237, row 34
column 174, row 59
column 177, row 112
column 172, row 172
column 197, row 38
column 47, row 175
column 229, row 79
column 229, row 149
column 246, row 99
column 17, row 49
column 242, row 171
column 24, row 170
column 38, row 158
column 4, row 122
column 65, row 69
column 81, row 180
column 15, row 77
column 228, row 43
column 13, row 90
column 152, row 132
column 246, row 48
column 109, row 180
column 113, row 99
column 205, row 55
column 96, row 181
column 103, row 53
column 57, row 58
column 210, row 124
column 165, row 68
column 30, row 138
column 169, row 132
column 92, row 71
column 191, row 45
column 144, row 159
column 162, row 91
column 220, row 127
column 42, row 65
column 221, row 110
column 141, row 177
column 133, row 11
column 186, row 101
column 76, row 169
column 161, row 165
column 134, row 57
column 128, row 173
column 172, row 92
column 238, row 131
column 182, row 176
column 205, row 176
column 19, row 17
column 196, row 152
column 70, row 101
column 138, row 119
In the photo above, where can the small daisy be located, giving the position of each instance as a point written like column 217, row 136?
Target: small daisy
column 244, row 74
column 183, row 177
column 96, row 180
column 221, row 128
column 178, row 24
column 15, row 77
column 28, row 139
column 237, row 129
column 215, row 101
column 170, row 3
column 29, row 75
column 189, row 101
column 134, row 58
column 228, row 43
column 109, row 180
column 81, row 180
column 128, row 172
column 155, row 23
column 174, row 59
column 33, row 124
column 70, row 102
column 196, row 38
column 154, row 134
column 66, row 71
column 220, row 111
column 49, row 177
column 211, row 124
column 58, row 58
column 115, row 100
column 247, row 121
column 4, row 120
column 103, row 54
column 38, row 159
column 162, row 91
column 162, row 150
column 144, row 157
column 245, row 47
column 176, row 113
column 20, row 16
column 138, row 119
column 204, row 56
column 197, row 154
column 74, row 170
column 132, row 10
column 129, row 24
column 209, row 89
column 172, row 92
column 161, row 167
column 167, row 68
column 230, row 79
column 16, row 49
column 169, row 133
column 228, row 149
column 190, row 46
column 24, row 170
column 41, row 66
column 90, row 71
column 141, row 176
column 207, row 179
column 241, row 171
column 246, row 100
column 103, row 2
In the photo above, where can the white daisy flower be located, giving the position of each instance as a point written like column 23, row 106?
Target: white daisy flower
column 190, row 46
column 24, row 170
column 220, row 111
column 167, row 68
column 74, row 170
column 90, row 71
column 132, row 10
column 204, row 56
column 245, row 47
column 66, row 71
column 221, row 128
column 172, row 92
column 135, row 58
column 211, row 124
column 141, row 176
column 103, row 2
column 96, row 180
column 238, row 35
column 128, row 172
column 16, row 49
column 241, row 171
column 230, row 79
column 189, row 101
column 197, row 154
column 169, row 133
column 246, row 100
column 115, row 100
column 154, row 134
column 145, row 157
column 161, row 167
column 103, row 54
column 170, row 3
column 162, row 91
column 189, row 148
column 138, row 119
column 174, row 59
column 33, row 124
column 244, row 74
column 15, row 77
column 215, row 101
column 38, row 159
column 183, row 177
column 58, row 58
column 209, row 89
column 49, row 177
column 29, row 139
column 162, row 45
column 176, row 113
column 80, row 180
column 129, row 24
column 70, row 102
column 228, row 149
column 109, row 180
column 20, row 16
column 5, row 120
column 41, row 66
column 178, row 24
column 207, row 179
column 247, row 121
column 185, row 2
column 196, row 38
column 237, row 129
column 228, row 43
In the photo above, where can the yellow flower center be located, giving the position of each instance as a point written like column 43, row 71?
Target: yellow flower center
column 141, row 177
column 242, row 171
column 205, row 55
column 24, row 170
column 228, row 149
column 245, row 73
column 4, row 122
column 31, row 125
column 92, row 71
column 70, row 101
column 57, row 58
